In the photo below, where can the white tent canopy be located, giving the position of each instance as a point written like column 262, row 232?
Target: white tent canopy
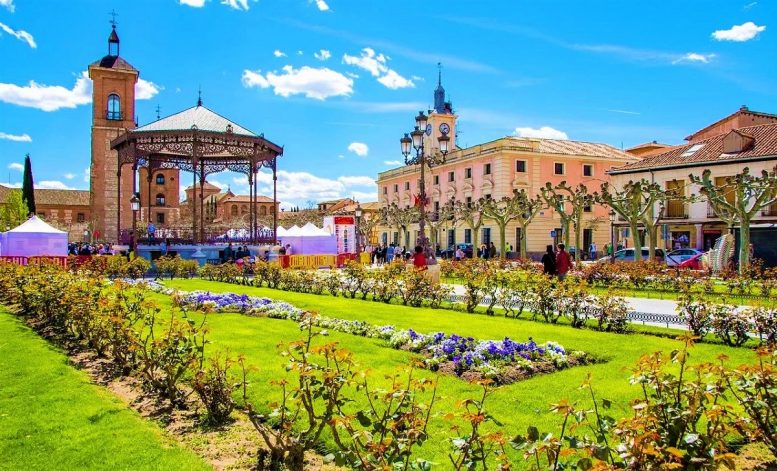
column 33, row 238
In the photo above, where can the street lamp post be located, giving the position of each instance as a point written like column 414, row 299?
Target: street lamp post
column 416, row 140
column 86, row 235
column 358, row 214
column 135, row 205
column 612, row 236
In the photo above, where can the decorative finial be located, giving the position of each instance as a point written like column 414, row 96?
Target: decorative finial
column 199, row 96
column 113, row 21
column 157, row 112
column 439, row 74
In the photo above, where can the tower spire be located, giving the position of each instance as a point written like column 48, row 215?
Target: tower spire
column 439, row 74
column 439, row 92
column 199, row 96
column 113, row 39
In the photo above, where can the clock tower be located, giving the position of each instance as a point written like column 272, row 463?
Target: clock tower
column 442, row 120
column 113, row 114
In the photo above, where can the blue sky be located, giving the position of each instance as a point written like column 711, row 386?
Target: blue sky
column 337, row 82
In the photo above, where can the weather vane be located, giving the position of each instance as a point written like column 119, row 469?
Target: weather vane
column 113, row 21
column 157, row 112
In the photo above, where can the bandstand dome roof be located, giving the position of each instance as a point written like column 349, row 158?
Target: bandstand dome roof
column 199, row 116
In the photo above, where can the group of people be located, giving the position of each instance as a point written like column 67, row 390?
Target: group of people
column 382, row 253
column 556, row 263
column 84, row 248
column 489, row 251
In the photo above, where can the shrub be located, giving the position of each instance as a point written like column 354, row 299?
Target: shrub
column 766, row 324
column 732, row 325
column 214, row 386
column 572, row 302
column 137, row 268
column 755, row 388
column 697, row 314
column 611, row 313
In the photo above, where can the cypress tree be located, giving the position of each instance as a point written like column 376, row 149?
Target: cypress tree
column 28, row 190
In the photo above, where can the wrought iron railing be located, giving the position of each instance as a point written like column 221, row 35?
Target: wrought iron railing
column 184, row 236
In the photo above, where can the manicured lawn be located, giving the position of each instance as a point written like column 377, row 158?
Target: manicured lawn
column 516, row 406
column 51, row 417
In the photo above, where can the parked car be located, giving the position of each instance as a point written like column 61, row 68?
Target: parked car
column 627, row 255
column 696, row 262
column 450, row 252
column 677, row 257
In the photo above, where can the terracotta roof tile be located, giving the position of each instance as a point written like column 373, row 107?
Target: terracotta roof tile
column 246, row 199
column 569, row 147
column 54, row 197
column 711, row 151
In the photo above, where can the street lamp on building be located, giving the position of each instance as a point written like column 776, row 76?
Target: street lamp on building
column 412, row 145
column 86, row 235
column 358, row 214
column 612, row 236
column 135, row 206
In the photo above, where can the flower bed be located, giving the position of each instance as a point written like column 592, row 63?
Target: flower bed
column 503, row 361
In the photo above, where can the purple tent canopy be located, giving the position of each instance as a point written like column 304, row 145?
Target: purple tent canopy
column 33, row 238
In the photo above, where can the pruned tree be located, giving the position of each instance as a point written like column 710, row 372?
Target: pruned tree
column 399, row 218
column 471, row 214
column 503, row 211
column 439, row 219
column 367, row 225
column 14, row 210
column 750, row 194
column 570, row 204
column 526, row 209
column 632, row 203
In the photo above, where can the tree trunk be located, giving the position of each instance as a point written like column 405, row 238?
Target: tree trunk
column 578, row 238
column 637, row 242
column 565, row 231
column 474, row 241
column 744, row 245
column 502, row 234
column 523, row 241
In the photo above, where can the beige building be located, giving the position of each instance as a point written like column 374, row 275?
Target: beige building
column 494, row 169
column 725, row 148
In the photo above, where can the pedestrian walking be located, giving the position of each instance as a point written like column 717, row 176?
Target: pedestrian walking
column 549, row 261
column 563, row 262
column 593, row 251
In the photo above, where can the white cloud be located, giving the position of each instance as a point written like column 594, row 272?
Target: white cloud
column 16, row 166
column 52, row 185
column 739, row 33
column 693, row 57
column 358, row 148
column 322, row 55
column 54, row 97
column 377, row 65
column 15, row 137
column 8, row 4
column 21, row 35
column 394, row 81
column 322, row 5
column 69, row 176
column 192, row 3
column 299, row 187
column 236, row 4
column 317, row 83
column 392, row 163
column 545, row 132
column 299, row 53
column 357, row 181
column 278, row 53
column 145, row 90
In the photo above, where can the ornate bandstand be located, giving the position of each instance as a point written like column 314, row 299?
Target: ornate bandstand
column 202, row 142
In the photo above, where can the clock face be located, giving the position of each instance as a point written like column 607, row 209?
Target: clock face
column 444, row 128
column 428, row 129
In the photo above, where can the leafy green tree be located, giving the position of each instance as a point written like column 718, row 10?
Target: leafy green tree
column 14, row 210
column 399, row 218
column 751, row 194
column 28, row 188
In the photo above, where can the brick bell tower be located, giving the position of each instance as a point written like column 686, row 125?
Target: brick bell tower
column 113, row 113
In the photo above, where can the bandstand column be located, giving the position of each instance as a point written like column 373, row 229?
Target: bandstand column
column 118, row 204
column 251, row 214
column 274, row 202
column 202, row 201
column 256, row 203
column 194, row 201
column 148, row 181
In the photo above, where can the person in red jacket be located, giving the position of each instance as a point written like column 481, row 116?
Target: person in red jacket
column 563, row 262
column 419, row 258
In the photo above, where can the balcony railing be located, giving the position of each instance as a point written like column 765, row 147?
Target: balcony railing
column 113, row 115
column 711, row 212
column 770, row 211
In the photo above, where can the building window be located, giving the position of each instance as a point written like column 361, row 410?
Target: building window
column 520, row 166
column 467, row 236
column 588, row 170
column 160, row 199
column 244, row 209
column 486, row 236
column 558, row 168
column 385, row 190
column 114, row 107
column 487, row 169
column 436, row 179
column 468, row 172
column 587, row 208
column 263, row 210
column 407, row 185
column 487, row 196
column 675, row 204
column 160, row 179
column 396, row 187
column 80, row 217
column 469, row 201
column 160, row 218
column 451, row 176
column 436, row 206
column 233, row 211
